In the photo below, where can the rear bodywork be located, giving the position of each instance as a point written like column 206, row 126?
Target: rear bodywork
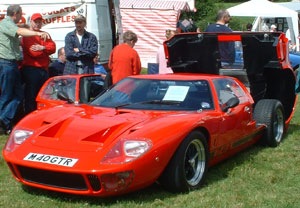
column 264, row 62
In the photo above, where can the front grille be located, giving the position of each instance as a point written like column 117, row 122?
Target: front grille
column 94, row 181
column 52, row 178
column 12, row 170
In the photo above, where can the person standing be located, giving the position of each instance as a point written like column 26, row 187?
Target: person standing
column 57, row 67
column 249, row 27
column 81, row 47
column 35, row 65
column 10, row 54
column 273, row 28
column 124, row 60
column 227, row 50
column 161, row 56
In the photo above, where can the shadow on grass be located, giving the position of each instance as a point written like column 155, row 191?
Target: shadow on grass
column 149, row 194
column 293, row 128
column 156, row 192
column 153, row 192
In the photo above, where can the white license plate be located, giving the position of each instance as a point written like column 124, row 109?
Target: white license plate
column 51, row 159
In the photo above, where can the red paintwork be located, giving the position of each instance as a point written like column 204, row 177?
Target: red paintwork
column 89, row 133
column 79, row 126
column 46, row 103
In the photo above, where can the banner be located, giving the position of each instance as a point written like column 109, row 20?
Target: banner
column 54, row 15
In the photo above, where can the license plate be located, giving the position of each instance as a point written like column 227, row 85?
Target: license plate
column 51, row 159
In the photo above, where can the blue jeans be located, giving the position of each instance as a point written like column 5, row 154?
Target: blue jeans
column 11, row 90
column 34, row 78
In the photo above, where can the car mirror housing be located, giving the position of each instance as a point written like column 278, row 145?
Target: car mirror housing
column 231, row 103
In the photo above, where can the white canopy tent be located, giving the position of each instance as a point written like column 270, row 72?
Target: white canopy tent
column 267, row 9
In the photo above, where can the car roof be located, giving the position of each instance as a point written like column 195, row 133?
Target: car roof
column 178, row 76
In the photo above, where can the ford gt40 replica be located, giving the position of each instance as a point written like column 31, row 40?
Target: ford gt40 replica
column 168, row 128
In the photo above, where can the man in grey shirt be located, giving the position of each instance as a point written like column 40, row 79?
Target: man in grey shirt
column 10, row 77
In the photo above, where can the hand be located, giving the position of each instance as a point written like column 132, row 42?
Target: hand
column 37, row 47
column 44, row 35
column 76, row 50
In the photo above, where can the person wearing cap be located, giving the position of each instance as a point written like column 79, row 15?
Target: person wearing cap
column 273, row 28
column 36, row 52
column 10, row 76
column 81, row 47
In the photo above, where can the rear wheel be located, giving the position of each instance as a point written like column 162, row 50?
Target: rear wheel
column 270, row 113
column 188, row 166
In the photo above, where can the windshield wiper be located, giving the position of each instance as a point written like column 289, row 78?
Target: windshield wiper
column 160, row 102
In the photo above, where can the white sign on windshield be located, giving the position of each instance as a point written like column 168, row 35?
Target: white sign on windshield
column 176, row 93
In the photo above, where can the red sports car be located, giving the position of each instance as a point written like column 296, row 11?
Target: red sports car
column 169, row 128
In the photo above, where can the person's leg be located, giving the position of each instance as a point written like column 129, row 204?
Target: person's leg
column 34, row 79
column 10, row 83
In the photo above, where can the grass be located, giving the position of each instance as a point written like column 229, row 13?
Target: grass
column 257, row 177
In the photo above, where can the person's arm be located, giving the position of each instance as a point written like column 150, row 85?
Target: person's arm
column 136, row 64
column 28, row 33
column 91, row 49
column 69, row 48
column 50, row 46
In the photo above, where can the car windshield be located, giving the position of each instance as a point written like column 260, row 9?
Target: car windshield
column 155, row 94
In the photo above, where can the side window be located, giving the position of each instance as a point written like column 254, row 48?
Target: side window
column 228, row 88
column 66, row 85
column 90, row 87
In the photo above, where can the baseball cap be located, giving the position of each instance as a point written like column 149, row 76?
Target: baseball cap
column 80, row 18
column 36, row 16
column 273, row 26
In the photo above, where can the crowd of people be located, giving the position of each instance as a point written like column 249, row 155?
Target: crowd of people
column 23, row 70
column 25, row 62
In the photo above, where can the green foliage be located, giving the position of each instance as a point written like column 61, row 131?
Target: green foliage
column 207, row 11
column 205, row 14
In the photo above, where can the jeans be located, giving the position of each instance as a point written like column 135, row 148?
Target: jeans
column 11, row 90
column 34, row 78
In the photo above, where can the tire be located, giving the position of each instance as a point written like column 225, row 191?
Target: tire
column 188, row 166
column 270, row 113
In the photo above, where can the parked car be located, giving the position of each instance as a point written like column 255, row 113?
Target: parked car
column 168, row 128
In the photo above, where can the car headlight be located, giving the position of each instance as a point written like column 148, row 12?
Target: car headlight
column 17, row 137
column 127, row 150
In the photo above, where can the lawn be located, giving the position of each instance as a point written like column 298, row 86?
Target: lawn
column 257, row 177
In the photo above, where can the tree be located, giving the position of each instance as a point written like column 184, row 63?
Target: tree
column 205, row 14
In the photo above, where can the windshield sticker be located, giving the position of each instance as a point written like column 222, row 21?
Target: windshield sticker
column 176, row 93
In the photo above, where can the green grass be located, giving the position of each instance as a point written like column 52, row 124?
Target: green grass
column 257, row 177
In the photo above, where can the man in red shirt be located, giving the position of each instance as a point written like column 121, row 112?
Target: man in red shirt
column 124, row 60
column 35, row 63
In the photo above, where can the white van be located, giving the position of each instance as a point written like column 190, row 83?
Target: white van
column 59, row 17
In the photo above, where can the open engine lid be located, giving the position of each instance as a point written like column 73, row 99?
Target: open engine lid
column 199, row 52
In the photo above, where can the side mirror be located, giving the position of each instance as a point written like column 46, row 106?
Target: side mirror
column 64, row 96
column 231, row 103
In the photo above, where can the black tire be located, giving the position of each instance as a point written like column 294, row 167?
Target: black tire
column 188, row 166
column 270, row 113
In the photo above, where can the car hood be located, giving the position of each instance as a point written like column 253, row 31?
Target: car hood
column 86, row 128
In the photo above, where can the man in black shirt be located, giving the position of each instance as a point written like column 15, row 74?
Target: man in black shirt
column 227, row 50
column 57, row 67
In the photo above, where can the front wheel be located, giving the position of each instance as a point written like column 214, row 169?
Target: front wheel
column 188, row 166
column 270, row 113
